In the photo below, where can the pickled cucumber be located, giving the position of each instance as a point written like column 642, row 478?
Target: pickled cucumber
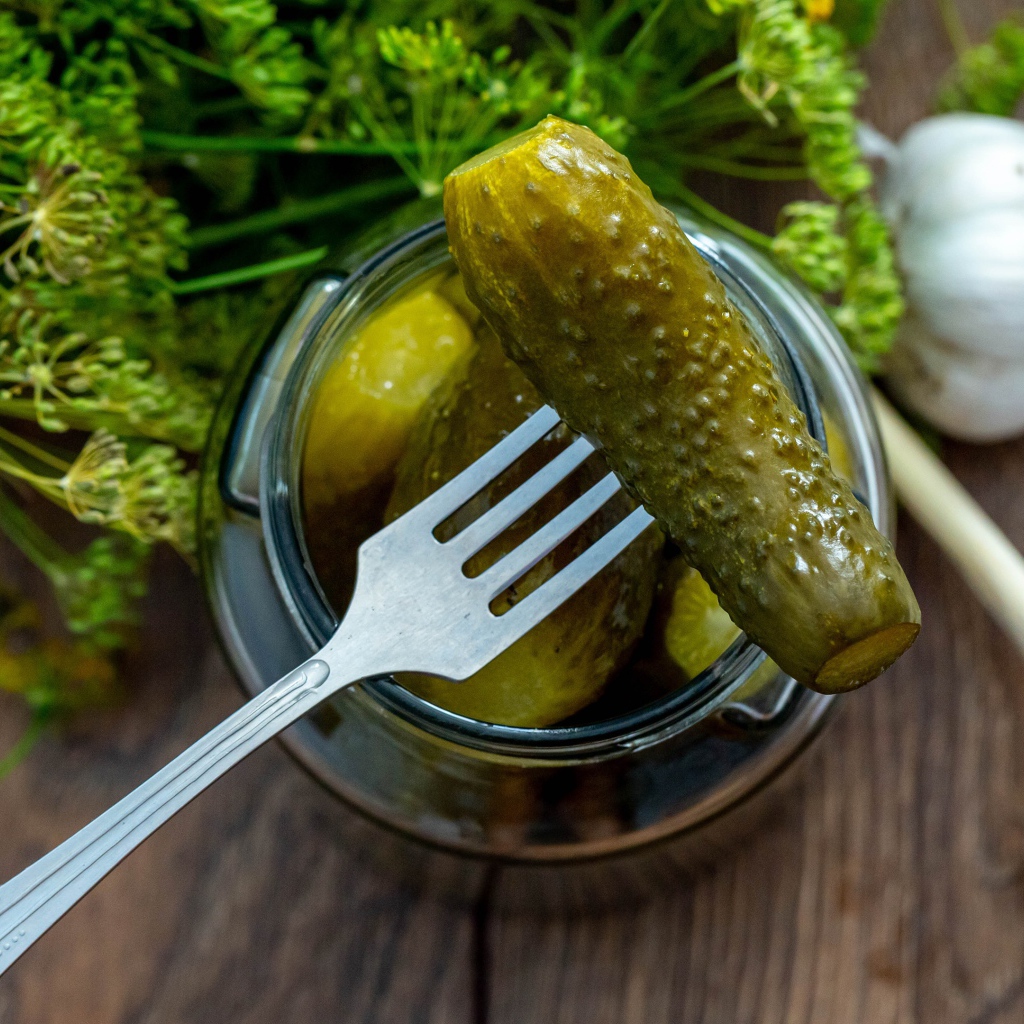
column 361, row 420
column 697, row 628
column 595, row 291
column 838, row 451
column 564, row 662
column 376, row 391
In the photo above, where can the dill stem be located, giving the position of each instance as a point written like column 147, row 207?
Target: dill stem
column 955, row 27
column 85, row 419
column 388, row 141
column 25, row 743
column 182, row 56
column 709, row 81
column 255, row 144
column 250, row 273
column 49, row 487
column 29, row 538
column 544, row 22
column 606, row 25
column 41, row 454
column 645, row 30
column 298, row 211
column 713, row 214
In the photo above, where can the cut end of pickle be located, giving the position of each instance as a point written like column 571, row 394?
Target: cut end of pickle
column 867, row 658
column 503, row 148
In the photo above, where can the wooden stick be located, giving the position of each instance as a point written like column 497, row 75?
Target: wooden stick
column 991, row 565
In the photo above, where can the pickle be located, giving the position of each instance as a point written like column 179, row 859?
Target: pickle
column 370, row 398
column 362, row 416
column 698, row 631
column 595, row 291
column 838, row 451
column 563, row 663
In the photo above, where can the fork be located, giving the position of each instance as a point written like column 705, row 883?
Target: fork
column 414, row 609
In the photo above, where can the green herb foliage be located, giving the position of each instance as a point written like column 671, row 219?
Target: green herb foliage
column 168, row 168
column 989, row 79
column 858, row 19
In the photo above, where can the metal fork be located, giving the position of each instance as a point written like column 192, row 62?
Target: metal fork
column 414, row 609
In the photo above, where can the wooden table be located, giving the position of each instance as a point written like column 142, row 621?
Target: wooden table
column 891, row 890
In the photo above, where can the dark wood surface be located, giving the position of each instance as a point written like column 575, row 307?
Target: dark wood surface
column 891, row 889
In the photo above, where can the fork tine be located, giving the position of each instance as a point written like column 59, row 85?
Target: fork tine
column 447, row 499
column 483, row 530
column 524, row 557
column 524, row 615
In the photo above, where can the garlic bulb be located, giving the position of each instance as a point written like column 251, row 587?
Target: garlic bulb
column 965, row 394
column 953, row 193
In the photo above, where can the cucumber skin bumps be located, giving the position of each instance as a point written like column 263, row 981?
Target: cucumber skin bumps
column 595, row 291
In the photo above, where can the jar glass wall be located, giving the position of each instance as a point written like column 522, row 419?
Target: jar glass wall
column 557, row 794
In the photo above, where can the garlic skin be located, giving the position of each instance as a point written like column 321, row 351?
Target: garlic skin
column 953, row 193
column 966, row 280
column 953, row 165
column 968, row 396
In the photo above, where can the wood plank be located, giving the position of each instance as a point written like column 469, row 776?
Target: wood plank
column 253, row 905
column 892, row 889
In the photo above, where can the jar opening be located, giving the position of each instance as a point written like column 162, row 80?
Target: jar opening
column 380, row 279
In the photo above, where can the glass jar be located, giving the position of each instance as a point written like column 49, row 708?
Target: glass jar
column 552, row 796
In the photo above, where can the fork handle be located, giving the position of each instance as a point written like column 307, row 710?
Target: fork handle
column 38, row 897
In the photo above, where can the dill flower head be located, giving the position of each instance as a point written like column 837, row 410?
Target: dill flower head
column 92, row 485
column 60, row 217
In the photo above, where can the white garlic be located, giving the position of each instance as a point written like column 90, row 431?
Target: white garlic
column 967, row 395
column 953, row 193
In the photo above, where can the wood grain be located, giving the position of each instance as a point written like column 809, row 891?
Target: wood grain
column 892, row 890
column 249, row 906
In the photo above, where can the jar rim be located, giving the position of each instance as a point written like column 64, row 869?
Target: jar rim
column 296, row 578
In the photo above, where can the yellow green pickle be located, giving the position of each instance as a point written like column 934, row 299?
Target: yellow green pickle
column 361, row 419
column 377, row 391
column 595, row 291
column 698, row 631
column 564, row 663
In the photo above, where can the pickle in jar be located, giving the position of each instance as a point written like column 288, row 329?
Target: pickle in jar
column 565, row 661
column 595, row 291
column 361, row 419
